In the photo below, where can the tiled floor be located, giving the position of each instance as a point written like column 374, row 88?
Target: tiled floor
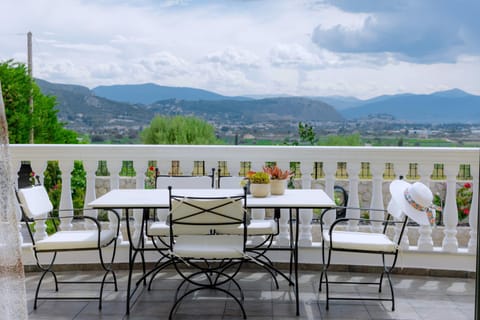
column 416, row 298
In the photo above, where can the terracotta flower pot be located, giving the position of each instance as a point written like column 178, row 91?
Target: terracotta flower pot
column 260, row 190
column 278, row 186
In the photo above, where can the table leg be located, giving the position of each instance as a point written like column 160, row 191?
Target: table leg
column 295, row 257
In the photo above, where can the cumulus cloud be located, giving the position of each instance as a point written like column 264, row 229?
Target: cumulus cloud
column 293, row 55
column 234, row 58
column 165, row 64
column 424, row 31
column 308, row 47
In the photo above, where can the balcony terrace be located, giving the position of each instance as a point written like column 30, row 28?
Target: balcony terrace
column 365, row 172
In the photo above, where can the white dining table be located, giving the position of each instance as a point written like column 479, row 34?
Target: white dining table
column 292, row 199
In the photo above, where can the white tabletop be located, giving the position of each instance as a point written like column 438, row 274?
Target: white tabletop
column 159, row 198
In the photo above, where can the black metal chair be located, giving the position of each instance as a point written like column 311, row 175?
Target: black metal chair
column 201, row 256
column 263, row 231
column 37, row 209
column 157, row 228
column 337, row 238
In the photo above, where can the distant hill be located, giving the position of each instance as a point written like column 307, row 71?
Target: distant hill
column 262, row 110
column 149, row 93
column 339, row 102
column 439, row 107
column 82, row 111
column 86, row 112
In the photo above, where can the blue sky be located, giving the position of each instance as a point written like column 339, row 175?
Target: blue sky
column 360, row 48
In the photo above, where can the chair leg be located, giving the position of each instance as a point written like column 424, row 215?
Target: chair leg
column 45, row 270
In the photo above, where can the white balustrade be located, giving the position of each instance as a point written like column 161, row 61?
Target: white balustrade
column 39, row 155
column 377, row 169
column 473, row 216
column 450, row 243
column 425, row 241
column 353, row 169
column 66, row 202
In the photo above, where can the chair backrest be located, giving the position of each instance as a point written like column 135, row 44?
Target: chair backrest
column 201, row 215
column 35, row 202
column 229, row 182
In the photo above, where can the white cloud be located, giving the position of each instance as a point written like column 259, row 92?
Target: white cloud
column 349, row 47
column 234, row 58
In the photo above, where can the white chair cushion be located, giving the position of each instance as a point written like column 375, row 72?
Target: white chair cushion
column 209, row 247
column 360, row 241
column 256, row 227
column 35, row 201
column 77, row 239
column 159, row 229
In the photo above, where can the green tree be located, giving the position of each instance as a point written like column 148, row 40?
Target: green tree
column 179, row 130
column 306, row 133
column 16, row 87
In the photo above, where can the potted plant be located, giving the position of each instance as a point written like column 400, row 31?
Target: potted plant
column 278, row 179
column 259, row 183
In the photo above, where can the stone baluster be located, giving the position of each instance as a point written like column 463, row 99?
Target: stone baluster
column 90, row 166
column 353, row 169
column 425, row 241
column 283, row 238
column 164, row 167
column 305, row 215
column 114, row 167
column 140, row 168
column 234, row 168
column 329, row 168
column 66, row 202
column 450, row 218
column 401, row 169
column 377, row 169
column 39, row 168
column 473, row 216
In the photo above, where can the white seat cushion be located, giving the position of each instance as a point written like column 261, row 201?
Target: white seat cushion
column 35, row 201
column 209, row 246
column 360, row 241
column 256, row 227
column 77, row 239
column 159, row 228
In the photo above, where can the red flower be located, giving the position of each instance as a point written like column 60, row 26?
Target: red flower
column 466, row 211
column 32, row 174
column 151, row 168
column 467, row 185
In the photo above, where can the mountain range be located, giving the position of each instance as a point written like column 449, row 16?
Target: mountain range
column 451, row 106
column 85, row 109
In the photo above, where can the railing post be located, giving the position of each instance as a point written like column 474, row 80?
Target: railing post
column 39, row 167
column 353, row 170
column 305, row 215
column 90, row 167
column 425, row 241
column 140, row 168
column 283, row 238
column 377, row 195
column 329, row 168
column 66, row 202
column 473, row 217
column 401, row 169
column 114, row 167
column 450, row 218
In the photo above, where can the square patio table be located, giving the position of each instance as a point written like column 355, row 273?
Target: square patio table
column 128, row 199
